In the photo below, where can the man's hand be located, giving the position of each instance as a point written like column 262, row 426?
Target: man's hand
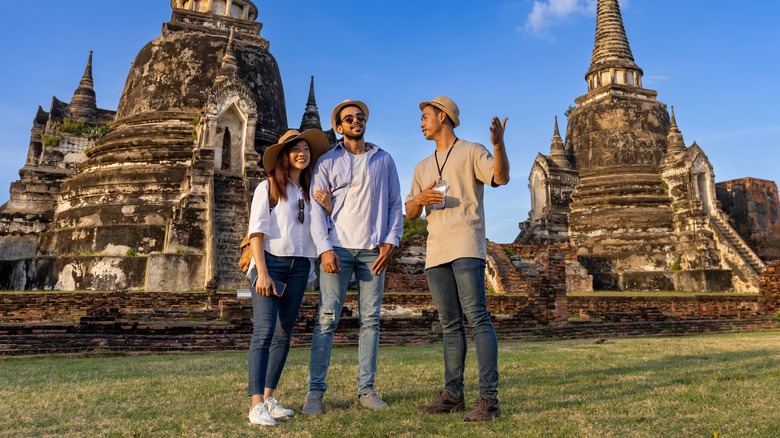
column 386, row 256
column 497, row 129
column 330, row 262
column 501, row 161
column 429, row 196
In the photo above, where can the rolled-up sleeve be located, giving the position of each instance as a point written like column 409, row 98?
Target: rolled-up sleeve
column 395, row 219
column 319, row 222
column 260, row 213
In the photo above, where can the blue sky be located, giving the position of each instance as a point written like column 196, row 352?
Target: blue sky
column 715, row 62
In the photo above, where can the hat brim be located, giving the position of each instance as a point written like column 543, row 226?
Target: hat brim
column 335, row 114
column 318, row 145
column 455, row 119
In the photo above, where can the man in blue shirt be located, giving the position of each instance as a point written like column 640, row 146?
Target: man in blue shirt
column 359, row 237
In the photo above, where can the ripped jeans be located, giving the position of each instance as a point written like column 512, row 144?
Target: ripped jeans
column 333, row 290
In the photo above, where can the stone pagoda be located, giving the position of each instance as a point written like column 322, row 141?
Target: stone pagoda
column 624, row 189
column 156, row 195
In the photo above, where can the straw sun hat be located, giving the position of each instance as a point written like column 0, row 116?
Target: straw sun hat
column 318, row 145
column 445, row 104
column 334, row 116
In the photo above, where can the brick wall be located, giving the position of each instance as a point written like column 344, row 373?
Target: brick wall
column 769, row 297
column 637, row 308
column 70, row 306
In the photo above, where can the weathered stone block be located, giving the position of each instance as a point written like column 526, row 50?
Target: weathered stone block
column 174, row 272
column 18, row 247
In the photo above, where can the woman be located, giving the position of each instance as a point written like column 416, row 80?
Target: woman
column 281, row 266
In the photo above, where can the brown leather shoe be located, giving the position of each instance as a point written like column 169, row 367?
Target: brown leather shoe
column 443, row 403
column 486, row 409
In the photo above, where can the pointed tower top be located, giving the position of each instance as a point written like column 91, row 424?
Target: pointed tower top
column 311, row 116
column 88, row 69
column 611, row 45
column 557, row 150
column 612, row 61
column 674, row 139
column 229, row 66
column 311, row 100
column 83, row 105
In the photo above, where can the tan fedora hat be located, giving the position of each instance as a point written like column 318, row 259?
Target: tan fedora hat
column 318, row 145
column 335, row 114
column 445, row 104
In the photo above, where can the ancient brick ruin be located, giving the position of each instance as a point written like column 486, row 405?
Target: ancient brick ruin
column 753, row 209
column 639, row 206
column 121, row 322
column 155, row 195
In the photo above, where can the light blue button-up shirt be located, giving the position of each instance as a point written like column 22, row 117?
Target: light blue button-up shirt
column 385, row 214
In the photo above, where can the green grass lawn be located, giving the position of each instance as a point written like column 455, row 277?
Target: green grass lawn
column 691, row 386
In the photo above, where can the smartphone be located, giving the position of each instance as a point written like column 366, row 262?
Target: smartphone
column 279, row 285
column 441, row 186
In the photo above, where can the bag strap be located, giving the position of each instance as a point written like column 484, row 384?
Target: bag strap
column 273, row 198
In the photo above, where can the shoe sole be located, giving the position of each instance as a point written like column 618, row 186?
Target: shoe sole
column 262, row 424
column 422, row 410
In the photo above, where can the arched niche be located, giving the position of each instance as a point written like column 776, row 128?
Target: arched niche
column 704, row 182
column 540, row 196
column 231, row 126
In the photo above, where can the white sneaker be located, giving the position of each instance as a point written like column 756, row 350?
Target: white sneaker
column 276, row 410
column 259, row 415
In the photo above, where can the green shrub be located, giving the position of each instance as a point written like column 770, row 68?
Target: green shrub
column 101, row 130
column 73, row 126
column 131, row 253
column 676, row 265
column 50, row 140
column 416, row 227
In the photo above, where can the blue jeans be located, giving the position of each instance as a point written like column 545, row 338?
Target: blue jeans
column 274, row 319
column 333, row 289
column 458, row 288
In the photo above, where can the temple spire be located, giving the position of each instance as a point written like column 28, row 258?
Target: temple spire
column 311, row 116
column 229, row 64
column 83, row 105
column 612, row 61
column 557, row 151
column 674, row 139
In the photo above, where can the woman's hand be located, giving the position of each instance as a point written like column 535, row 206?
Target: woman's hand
column 264, row 284
column 325, row 199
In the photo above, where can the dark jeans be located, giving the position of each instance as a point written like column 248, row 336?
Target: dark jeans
column 458, row 288
column 274, row 319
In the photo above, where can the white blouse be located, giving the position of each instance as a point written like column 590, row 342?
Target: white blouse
column 283, row 235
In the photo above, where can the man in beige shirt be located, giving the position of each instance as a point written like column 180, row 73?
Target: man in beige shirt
column 449, row 185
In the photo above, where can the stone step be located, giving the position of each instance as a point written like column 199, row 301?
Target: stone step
column 738, row 244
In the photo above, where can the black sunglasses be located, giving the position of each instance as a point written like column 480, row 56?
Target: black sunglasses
column 350, row 118
column 300, row 210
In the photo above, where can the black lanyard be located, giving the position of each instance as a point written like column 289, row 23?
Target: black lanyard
column 436, row 156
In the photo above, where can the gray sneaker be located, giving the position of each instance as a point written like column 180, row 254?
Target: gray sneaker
column 313, row 405
column 371, row 400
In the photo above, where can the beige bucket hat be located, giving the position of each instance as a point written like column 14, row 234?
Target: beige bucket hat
column 335, row 114
column 445, row 104
column 318, row 145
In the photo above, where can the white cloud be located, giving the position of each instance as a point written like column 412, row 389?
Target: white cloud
column 549, row 13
